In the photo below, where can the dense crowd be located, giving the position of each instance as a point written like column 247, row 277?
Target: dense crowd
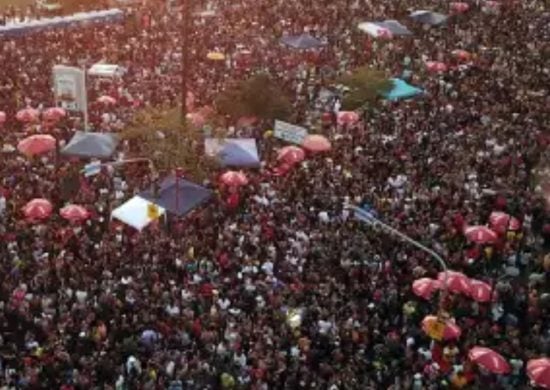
column 206, row 304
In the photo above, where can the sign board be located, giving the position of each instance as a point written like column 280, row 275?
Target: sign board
column 69, row 85
column 289, row 132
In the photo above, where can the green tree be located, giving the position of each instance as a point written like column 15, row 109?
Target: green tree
column 364, row 86
column 258, row 96
column 158, row 134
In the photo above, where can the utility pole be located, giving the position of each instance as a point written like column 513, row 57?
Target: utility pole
column 185, row 46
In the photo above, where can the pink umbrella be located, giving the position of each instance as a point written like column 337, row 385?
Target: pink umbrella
column 38, row 209
column 435, row 66
column 425, row 287
column 36, row 144
column 106, row 100
column 2, row 117
column 54, row 114
column 480, row 234
column 502, row 222
column 74, row 213
column 538, row 370
column 489, row 360
column 457, row 282
column 347, row 118
column 316, row 143
column 234, row 179
column 462, row 55
column 459, row 7
column 479, row 291
column 27, row 115
column 291, row 155
column 450, row 330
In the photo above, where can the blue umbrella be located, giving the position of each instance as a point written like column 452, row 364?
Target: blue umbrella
column 402, row 90
column 394, row 27
column 302, row 42
column 428, row 17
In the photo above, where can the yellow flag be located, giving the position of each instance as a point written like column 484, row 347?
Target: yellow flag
column 152, row 211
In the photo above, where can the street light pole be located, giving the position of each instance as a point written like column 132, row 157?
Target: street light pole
column 186, row 11
column 371, row 220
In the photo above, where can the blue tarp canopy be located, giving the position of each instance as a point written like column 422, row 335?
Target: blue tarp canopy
column 177, row 196
column 98, row 145
column 428, row 17
column 233, row 152
column 304, row 41
column 394, row 27
column 402, row 90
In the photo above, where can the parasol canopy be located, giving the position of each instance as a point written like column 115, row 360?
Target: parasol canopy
column 234, row 178
column 480, row 234
column 457, row 282
column 490, row 360
column 54, row 113
column 291, row 155
column 436, row 66
column 428, row 17
column 38, row 209
column 538, row 370
column 347, row 118
column 27, row 115
column 479, row 291
column 425, row 287
column 74, row 213
column 439, row 329
column 107, row 100
column 36, row 144
column 501, row 222
column 316, row 143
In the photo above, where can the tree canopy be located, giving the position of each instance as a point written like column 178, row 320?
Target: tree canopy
column 365, row 86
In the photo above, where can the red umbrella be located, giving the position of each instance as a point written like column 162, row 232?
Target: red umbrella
column 479, row 291
column 457, row 282
column 316, row 143
column 480, row 234
column 2, row 117
column 425, row 287
column 105, row 99
column 502, row 222
column 38, row 209
column 435, row 66
column 54, row 114
column 234, row 179
column 291, row 155
column 489, row 360
column 538, row 371
column 459, row 7
column 27, row 115
column 440, row 330
column 36, row 144
column 74, row 213
column 347, row 118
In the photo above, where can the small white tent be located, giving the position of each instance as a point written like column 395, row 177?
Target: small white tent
column 134, row 213
column 106, row 70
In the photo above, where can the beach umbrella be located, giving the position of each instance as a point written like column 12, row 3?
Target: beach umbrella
column 215, row 56
column 27, row 115
column 316, row 143
column 479, row 291
column 234, row 179
column 291, row 155
column 107, row 100
column 490, row 360
column 36, row 144
column 74, row 213
column 347, row 117
column 538, row 370
column 436, row 67
column 428, row 17
column 501, row 222
column 457, row 282
column 440, row 329
column 54, row 113
column 375, row 30
column 425, row 287
column 480, row 234
column 38, row 209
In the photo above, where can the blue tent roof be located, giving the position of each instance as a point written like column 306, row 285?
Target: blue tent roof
column 87, row 144
column 304, row 41
column 234, row 152
column 402, row 90
column 178, row 199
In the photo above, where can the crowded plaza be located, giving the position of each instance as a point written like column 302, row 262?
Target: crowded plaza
column 400, row 243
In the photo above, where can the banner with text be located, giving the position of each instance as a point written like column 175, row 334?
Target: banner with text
column 289, row 132
column 70, row 88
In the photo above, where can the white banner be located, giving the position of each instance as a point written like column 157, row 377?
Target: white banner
column 289, row 132
column 69, row 85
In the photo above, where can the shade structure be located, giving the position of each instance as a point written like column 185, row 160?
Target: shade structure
column 401, row 90
column 428, row 17
column 501, row 222
column 457, row 282
column 27, row 115
column 135, row 213
column 479, row 291
column 234, row 179
column 36, row 144
column 38, row 209
column 215, row 56
column 291, row 155
column 316, row 143
column 347, row 118
column 3, row 117
column 233, row 152
column 74, row 213
column 425, row 287
column 375, row 30
column 436, row 66
column 178, row 196
column 302, row 42
column 91, row 145
column 439, row 329
column 394, row 27
column 490, row 360
column 54, row 113
column 480, row 234
column 538, row 371
column 106, row 100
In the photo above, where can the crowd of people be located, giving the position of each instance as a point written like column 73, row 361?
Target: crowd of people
column 288, row 290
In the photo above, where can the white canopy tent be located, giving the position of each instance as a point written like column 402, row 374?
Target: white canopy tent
column 134, row 213
column 106, row 70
